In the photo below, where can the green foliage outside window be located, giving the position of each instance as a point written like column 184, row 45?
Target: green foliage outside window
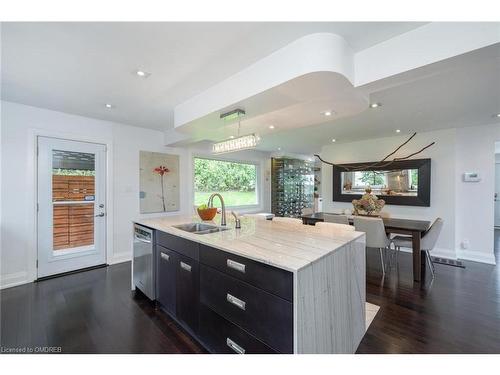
column 220, row 175
column 235, row 181
column 414, row 177
column 372, row 178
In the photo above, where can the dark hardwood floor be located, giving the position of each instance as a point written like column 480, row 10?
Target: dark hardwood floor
column 95, row 312
column 89, row 312
column 456, row 312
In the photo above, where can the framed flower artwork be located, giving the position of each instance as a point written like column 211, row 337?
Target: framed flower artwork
column 159, row 182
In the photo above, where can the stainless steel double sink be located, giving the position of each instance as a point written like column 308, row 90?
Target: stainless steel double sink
column 200, row 228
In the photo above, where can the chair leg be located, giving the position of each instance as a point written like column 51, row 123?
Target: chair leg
column 392, row 255
column 429, row 260
column 382, row 260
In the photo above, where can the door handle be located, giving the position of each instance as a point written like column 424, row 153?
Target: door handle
column 238, row 349
column 100, row 215
column 185, row 266
column 140, row 239
column 165, row 256
column 236, row 301
column 235, row 265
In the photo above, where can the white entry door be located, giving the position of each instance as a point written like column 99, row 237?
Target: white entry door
column 71, row 205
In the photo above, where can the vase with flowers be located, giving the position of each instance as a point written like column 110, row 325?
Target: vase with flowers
column 161, row 171
column 368, row 205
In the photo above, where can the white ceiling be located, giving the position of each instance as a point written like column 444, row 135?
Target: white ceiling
column 78, row 67
column 457, row 92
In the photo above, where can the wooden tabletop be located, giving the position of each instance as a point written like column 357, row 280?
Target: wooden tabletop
column 390, row 223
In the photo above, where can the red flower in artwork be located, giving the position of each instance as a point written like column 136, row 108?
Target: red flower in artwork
column 161, row 170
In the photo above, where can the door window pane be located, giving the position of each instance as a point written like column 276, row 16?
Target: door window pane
column 73, row 196
column 237, row 182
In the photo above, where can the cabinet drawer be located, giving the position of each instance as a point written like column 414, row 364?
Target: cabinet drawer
column 222, row 336
column 178, row 244
column 272, row 279
column 166, row 264
column 268, row 317
column 187, row 291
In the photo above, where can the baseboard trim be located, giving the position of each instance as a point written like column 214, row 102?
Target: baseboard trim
column 438, row 252
column 476, row 256
column 14, row 279
column 121, row 258
column 469, row 255
column 444, row 253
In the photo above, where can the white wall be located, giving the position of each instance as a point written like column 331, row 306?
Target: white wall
column 20, row 123
column 467, row 209
column 18, row 247
column 442, row 172
column 474, row 201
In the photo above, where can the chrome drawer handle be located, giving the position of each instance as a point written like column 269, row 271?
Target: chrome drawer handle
column 235, row 265
column 186, row 266
column 238, row 349
column 165, row 256
column 236, row 301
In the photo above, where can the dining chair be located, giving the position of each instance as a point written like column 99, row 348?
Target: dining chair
column 376, row 236
column 427, row 243
column 287, row 220
column 339, row 219
column 333, row 228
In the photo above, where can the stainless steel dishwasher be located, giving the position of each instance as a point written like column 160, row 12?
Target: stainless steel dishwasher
column 144, row 262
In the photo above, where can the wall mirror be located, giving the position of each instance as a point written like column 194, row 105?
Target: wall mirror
column 405, row 182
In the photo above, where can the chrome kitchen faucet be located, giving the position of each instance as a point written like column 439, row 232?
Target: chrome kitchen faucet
column 223, row 208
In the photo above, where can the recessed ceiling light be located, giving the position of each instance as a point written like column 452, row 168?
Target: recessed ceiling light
column 231, row 136
column 271, row 126
column 375, row 105
column 327, row 113
column 334, row 140
column 497, row 115
column 398, row 131
column 279, row 148
column 109, row 106
column 142, row 73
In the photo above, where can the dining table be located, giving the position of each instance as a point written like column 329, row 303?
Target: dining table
column 411, row 227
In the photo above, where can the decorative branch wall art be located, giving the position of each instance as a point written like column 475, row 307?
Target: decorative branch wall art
column 159, row 182
column 382, row 163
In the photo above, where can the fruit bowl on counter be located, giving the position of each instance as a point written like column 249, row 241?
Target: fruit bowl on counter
column 206, row 213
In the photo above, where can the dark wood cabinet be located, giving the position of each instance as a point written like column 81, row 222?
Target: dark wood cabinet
column 166, row 263
column 264, row 315
column 222, row 336
column 178, row 279
column 179, row 245
column 231, row 304
column 187, row 292
column 271, row 279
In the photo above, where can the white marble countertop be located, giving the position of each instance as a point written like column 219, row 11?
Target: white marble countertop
column 290, row 247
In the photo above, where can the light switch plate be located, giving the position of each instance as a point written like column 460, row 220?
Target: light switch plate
column 471, row 177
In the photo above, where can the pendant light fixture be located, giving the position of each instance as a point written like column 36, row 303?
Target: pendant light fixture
column 238, row 143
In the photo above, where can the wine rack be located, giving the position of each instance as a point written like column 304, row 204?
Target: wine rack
column 292, row 186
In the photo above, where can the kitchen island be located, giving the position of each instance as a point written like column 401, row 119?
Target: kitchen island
column 268, row 287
